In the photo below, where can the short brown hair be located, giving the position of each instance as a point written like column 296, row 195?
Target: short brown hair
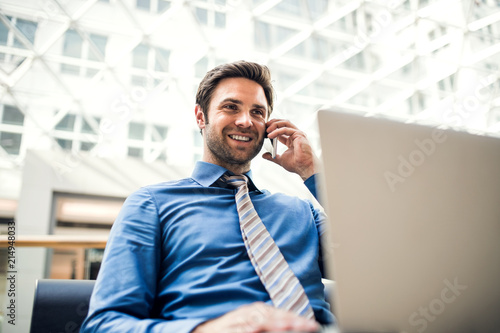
column 249, row 70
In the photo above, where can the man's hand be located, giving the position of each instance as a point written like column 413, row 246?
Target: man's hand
column 299, row 158
column 257, row 317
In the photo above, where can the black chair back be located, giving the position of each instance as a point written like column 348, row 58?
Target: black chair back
column 60, row 305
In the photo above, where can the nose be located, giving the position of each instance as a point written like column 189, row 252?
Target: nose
column 243, row 119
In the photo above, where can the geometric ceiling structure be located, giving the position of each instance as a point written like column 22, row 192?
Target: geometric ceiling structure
column 116, row 78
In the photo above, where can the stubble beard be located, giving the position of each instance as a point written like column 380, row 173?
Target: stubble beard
column 226, row 155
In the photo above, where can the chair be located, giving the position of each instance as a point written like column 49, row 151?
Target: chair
column 60, row 305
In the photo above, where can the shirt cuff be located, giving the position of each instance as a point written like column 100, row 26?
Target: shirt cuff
column 313, row 185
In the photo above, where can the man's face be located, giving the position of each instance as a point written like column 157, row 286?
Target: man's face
column 235, row 129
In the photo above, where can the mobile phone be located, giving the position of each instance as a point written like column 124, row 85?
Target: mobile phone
column 272, row 147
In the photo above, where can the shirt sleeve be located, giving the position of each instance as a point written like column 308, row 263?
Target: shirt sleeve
column 125, row 291
column 320, row 219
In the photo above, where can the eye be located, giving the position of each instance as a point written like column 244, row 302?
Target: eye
column 231, row 106
column 259, row 112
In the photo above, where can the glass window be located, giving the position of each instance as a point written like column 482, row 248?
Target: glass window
column 86, row 146
column 72, row 47
column 423, row 3
column 201, row 67
column 135, row 152
column 4, row 34
column 317, row 8
column 283, row 33
column 300, row 50
column 324, row 87
column 143, row 4
column 139, row 80
column 70, row 69
column 285, row 78
column 91, row 72
column 76, row 47
column 220, row 20
column 65, row 144
column 262, row 35
column 79, row 135
column 291, row 7
column 11, row 142
column 140, row 56
column 163, row 5
column 356, row 62
column 67, row 123
column 160, row 134
column 28, row 29
column 162, row 156
column 100, row 44
column 145, row 57
column 313, row 48
column 319, row 48
column 12, row 115
column 211, row 13
column 72, row 44
column 267, row 35
column 86, row 128
column 136, row 131
column 162, row 56
column 202, row 15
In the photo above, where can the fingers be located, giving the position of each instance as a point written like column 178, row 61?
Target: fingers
column 255, row 318
column 285, row 131
column 277, row 123
column 287, row 322
column 265, row 318
column 280, row 127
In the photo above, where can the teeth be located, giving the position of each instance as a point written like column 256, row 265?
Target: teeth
column 240, row 138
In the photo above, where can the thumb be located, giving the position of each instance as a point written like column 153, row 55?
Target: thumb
column 269, row 157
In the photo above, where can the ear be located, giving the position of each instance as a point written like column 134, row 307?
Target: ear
column 200, row 117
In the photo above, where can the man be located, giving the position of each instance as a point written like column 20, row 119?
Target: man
column 177, row 259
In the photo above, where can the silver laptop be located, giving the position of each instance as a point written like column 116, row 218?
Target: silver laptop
column 413, row 242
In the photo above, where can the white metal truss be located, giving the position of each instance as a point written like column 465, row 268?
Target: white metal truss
column 418, row 60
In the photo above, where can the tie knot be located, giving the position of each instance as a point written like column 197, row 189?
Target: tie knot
column 235, row 181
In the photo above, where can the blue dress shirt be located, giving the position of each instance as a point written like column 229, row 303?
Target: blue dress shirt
column 176, row 258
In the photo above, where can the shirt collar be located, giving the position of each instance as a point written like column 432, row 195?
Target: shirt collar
column 206, row 174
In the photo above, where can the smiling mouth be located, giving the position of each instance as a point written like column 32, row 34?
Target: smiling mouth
column 240, row 138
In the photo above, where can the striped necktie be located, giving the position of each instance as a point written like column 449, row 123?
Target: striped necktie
column 283, row 286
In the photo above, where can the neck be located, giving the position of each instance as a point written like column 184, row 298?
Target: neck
column 237, row 169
